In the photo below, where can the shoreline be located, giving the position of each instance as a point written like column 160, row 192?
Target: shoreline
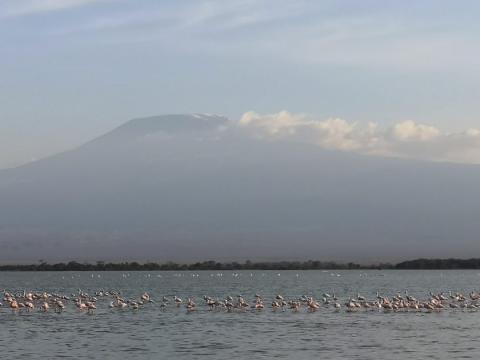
column 417, row 264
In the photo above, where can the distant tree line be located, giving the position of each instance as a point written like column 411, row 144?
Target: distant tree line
column 247, row 265
column 439, row 264
column 172, row 266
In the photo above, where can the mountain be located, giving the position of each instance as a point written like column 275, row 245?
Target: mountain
column 188, row 187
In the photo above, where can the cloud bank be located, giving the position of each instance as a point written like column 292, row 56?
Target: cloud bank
column 406, row 139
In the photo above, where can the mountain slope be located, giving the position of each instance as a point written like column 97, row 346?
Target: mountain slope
column 188, row 187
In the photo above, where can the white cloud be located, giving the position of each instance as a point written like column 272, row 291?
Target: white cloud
column 406, row 139
column 411, row 131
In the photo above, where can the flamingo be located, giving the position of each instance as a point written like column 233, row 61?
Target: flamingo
column 14, row 305
column 190, row 305
column 177, row 301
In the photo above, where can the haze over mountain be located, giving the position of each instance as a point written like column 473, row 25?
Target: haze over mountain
column 187, row 187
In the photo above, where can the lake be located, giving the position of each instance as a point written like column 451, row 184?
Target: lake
column 155, row 333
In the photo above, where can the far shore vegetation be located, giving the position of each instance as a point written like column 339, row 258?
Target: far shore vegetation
column 417, row 264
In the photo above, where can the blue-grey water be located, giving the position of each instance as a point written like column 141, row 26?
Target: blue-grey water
column 152, row 333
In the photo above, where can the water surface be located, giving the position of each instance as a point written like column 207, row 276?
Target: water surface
column 150, row 333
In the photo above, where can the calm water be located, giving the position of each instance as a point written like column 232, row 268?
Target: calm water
column 149, row 333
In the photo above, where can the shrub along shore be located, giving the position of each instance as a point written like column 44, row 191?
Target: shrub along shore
column 417, row 264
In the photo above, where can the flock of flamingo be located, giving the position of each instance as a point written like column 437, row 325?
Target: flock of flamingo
column 43, row 301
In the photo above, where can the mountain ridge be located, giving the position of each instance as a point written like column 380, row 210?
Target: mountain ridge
column 214, row 192
column 170, row 123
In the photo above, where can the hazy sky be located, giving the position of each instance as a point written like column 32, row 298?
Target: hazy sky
column 72, row 69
